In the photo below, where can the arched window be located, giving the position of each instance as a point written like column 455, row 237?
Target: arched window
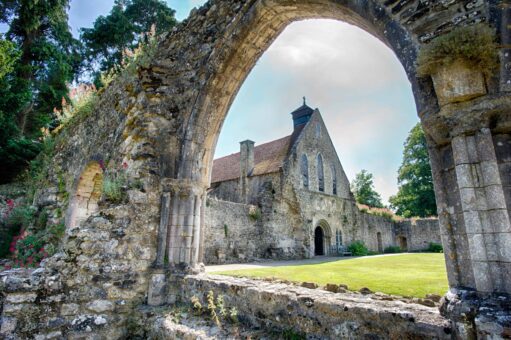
column 85, row 201
column 318, row 130
column 321, row 176
column 334, row 181
column 304, row 169
column 338, row 238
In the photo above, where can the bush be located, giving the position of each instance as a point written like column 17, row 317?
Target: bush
column 358, row 248
column 474, row 44
column 435, row 248
column 254, row 213
column 114, row 185
column 392, row 250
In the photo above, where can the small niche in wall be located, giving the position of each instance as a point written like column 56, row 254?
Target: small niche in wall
column 85, row 200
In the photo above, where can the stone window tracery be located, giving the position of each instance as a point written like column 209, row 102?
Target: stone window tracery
column 304, row 167
column 334, row 181
column 321, row 174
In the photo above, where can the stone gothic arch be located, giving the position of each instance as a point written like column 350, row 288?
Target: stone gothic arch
column 461, row 136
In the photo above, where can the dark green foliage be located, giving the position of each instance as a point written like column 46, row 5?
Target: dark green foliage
column 475, row 44
column 416, row 196
column 435, row 248
column 291, row 334
column 392, row 250
column 20, row 218
column 363, row 189
column 123, row 29
column 8, row 56
column 47, row 58
column 358, row 248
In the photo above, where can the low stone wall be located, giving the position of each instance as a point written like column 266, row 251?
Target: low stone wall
column 318, row 313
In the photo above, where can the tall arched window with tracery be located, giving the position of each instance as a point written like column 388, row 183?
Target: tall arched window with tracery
column 334, row 180
column 304, row 168
column 321, row 174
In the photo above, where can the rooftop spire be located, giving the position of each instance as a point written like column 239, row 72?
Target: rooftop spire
column 304, row 101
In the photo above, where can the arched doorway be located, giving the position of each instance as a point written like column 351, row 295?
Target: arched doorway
column 403, row 243
column 319, row 241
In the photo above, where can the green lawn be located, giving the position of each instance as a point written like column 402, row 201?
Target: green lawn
column 404, row 274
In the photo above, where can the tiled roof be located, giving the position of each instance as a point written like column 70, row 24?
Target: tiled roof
column 268, row 158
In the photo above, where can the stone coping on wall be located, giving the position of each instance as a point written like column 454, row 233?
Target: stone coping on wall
column 317, row 312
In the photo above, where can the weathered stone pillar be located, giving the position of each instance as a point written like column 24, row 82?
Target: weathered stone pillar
column 181, row 225
column 476, row 233
column 486, row 218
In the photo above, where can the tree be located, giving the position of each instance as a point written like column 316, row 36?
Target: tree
column 37, row 81
column 8, row 56
column 416, row 196
column 123, row 28
column 363, row 189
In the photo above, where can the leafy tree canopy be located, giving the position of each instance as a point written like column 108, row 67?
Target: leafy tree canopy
column 34, row 83
column 416, row 196
column 363, row 189
column 123, row 28
column 8, row 56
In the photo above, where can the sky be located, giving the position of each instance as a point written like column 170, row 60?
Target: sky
column 357, row 83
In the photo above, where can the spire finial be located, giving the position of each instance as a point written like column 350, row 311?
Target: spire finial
column 304, row 101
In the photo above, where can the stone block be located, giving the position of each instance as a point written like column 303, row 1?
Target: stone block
column 503, row 246
column 482, row 276
column 459, row 150
column 495, row 197
column 499, row 220
column 69, row 309
column 458, row 82
column 309, row 285
column 490, row 173
column 485, row 148
column 21, row 298
column 473, row 222
column 157, row 290
column 8, row 325
column 330, row 287
column 468, row 199
column 464, row 176
column 477, row 247
column 100, row 306
column 473, row 156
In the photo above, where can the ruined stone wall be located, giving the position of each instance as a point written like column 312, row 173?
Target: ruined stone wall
column 318, row 313
column 419, row 233
column 232, row 234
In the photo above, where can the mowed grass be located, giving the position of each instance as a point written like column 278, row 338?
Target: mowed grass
column 403, row 274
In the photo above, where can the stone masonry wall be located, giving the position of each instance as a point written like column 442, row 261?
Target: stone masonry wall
column 419, row 233
column 318, row 313
column 233, row 235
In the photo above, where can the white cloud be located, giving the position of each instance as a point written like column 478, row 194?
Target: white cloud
column 355, row 80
